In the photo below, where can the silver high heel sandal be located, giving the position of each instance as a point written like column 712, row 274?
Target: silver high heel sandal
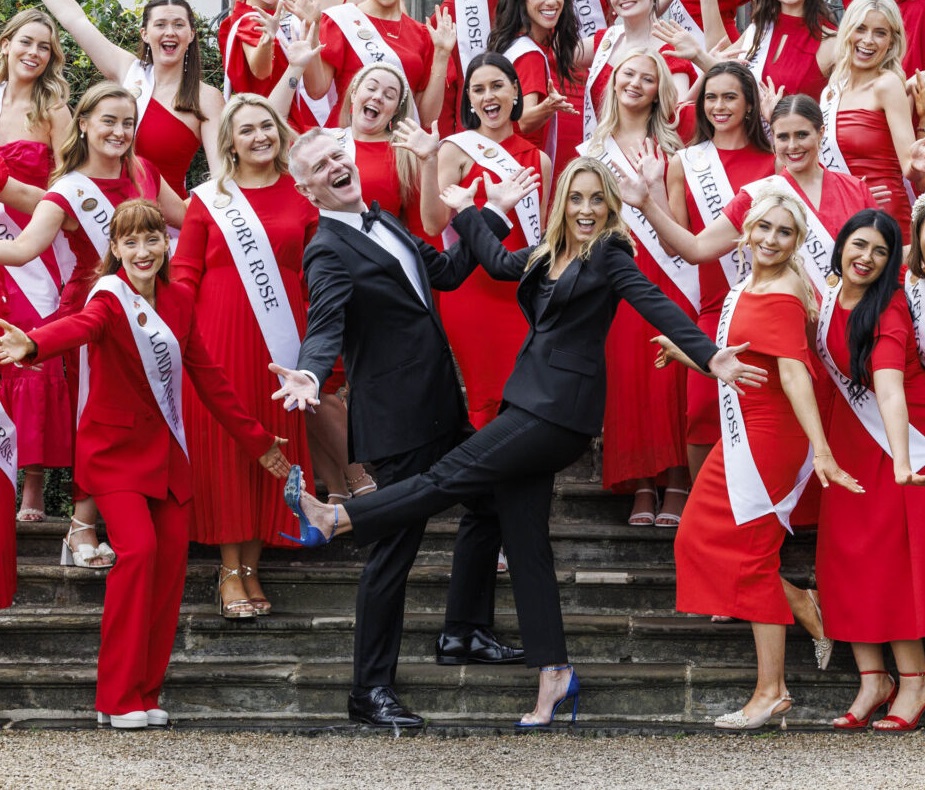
column 739, row 721
column 82, row 554
column 821, row 647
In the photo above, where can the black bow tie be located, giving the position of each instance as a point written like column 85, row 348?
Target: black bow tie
column 371, row 216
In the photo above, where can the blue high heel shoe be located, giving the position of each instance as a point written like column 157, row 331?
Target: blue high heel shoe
column 572, row 692
column 309, row 535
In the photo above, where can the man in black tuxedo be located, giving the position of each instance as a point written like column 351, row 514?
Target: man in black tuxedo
column 370, row 294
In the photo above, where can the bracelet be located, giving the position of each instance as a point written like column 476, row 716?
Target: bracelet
column 822, row 455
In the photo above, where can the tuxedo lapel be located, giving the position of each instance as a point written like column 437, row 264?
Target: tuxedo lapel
column 402, row 232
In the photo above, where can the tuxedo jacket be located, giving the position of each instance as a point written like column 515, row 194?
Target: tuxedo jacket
column 404, row 392
column 560, row 372
column 123, row 440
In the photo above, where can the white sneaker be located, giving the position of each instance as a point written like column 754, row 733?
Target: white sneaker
column 134, row 720
column 157, row 717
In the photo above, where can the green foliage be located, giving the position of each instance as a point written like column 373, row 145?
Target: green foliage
column 57, row 492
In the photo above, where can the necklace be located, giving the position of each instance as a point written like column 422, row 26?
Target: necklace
column 397, row 34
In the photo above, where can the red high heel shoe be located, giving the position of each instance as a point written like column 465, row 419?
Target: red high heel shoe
column 901, row 724
column 854, row 723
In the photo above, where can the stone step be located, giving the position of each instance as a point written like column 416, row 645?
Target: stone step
column 297, row 588
column 31, row 634
column 578, row 543
column 610, row 693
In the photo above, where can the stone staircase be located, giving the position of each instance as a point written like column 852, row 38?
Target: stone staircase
column 641, row 664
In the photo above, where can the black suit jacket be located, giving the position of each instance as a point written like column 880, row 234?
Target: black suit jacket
column 403, row 387
column 560, row 371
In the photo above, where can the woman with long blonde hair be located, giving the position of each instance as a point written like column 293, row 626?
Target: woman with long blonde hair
column 644, row 426
column 868, row 120
column 248, row 317
column 727, row 550
column 569, row 289
column 33, row 122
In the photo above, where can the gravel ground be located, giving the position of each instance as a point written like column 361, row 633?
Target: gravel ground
column 195, row 759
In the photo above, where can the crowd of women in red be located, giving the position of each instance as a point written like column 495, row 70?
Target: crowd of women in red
column 770, row 175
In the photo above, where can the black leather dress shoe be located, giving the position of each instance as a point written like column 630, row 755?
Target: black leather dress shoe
column 379, row 707
column 481, row 646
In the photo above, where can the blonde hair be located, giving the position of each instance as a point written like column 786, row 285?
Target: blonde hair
column 554, row 241
column 765, row 200
column 50, row 90
column 662, row 122
column 135, row 216
column 228, row 166
column 75, row 151
column 854, row 16
column 406, row 163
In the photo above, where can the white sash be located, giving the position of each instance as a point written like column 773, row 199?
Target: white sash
column 365, row 40
column 748, row 495
column 678, row 13
column 590, row 17
column 345, row 139
column 493, row 157
column 91, row 207
column 253, row 256
column 34, row 280
column 679, row 271
column 139, row 81
column 916, row 299
column 520, row 47
column 830, row 155
column 817, row 249
column 609, row 42
column 159, row 352
column 473, row 23
column 757, row 63
column 711, row 189
column 865, row 407
column 8, row 460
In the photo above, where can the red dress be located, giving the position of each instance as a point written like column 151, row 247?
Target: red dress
column 407, row 37
column 727, row 10
column 742, row 166
column 531, row 70
column 7, row 541
column 644, row 420
column 729, row 569
column 157, row 126
column 796, row 69
column 36, row 398
column 483, row 321
column 234, row 498
column 870, row 552
column 913, row 14
column 867, row 145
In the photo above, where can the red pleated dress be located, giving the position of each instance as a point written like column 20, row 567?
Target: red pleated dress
column 870, row 550
column 729, row 569
column 482, row 318
column 234, row 498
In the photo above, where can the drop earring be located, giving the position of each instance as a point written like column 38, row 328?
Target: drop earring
column 186, row 61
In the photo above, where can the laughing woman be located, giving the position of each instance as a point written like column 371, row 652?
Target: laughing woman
column 131, row 448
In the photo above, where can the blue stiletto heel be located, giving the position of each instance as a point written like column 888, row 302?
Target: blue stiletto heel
column 572, row 692
column 309, row 535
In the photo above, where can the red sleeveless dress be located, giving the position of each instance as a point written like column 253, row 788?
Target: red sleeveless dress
column 234, row 498
column 742, row 166
column 870, row 550
column 173, row 159
column 796, row 68
column 7, row 541
column 482, row 318
column 729, row 569
column 36, row 398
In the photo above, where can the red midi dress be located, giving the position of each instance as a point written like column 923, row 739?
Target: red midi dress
column 867, row 145
column 7, row 541
column 483, row 321
column 234, row 499
column 644, row 420
column 742, row 166
column 729, row 569
column 36, row 397
column 870, row 550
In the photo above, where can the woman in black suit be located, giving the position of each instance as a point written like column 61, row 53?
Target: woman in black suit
column 569, row 289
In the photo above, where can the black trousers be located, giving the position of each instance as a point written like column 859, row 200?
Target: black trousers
column 380, row 604
column 513, row 459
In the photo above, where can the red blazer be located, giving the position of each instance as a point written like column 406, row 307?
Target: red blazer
column 123, row 441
